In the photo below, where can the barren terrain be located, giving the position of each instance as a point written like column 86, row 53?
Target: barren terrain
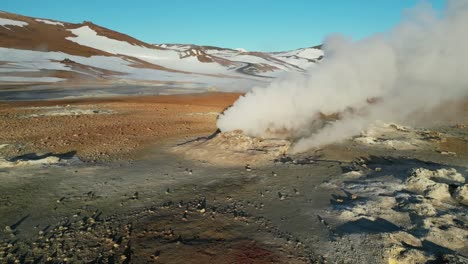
column 107, row 129
column 114, row 150
column 145, row 179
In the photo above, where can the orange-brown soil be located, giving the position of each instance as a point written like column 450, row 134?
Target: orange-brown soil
column 132, row 124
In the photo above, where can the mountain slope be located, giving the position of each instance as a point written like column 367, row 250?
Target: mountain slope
column 42, row 50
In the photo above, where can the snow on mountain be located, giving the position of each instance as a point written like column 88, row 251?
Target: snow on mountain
column 302, row 58
column 86, row 36
column 9, row 22
column 168, row 58
column 42, row 50
column 55, row 23
column 259, row 63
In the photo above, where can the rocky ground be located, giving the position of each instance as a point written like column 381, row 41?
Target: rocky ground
column 167, row 189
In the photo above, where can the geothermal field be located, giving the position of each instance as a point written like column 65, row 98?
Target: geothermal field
column 114, row 150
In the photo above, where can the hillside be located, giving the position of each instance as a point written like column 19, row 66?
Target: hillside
column 36, row 50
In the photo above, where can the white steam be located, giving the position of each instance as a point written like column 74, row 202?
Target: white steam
column 418, row 65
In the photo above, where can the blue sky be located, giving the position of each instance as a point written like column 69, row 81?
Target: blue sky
column 264, row 25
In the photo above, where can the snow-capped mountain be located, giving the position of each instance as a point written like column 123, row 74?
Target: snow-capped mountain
column 36, row 50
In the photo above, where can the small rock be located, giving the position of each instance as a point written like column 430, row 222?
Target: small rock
column 281, row 196
column 406, row 238
column 448, row 153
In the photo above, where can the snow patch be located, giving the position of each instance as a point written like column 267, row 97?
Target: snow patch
column 55, row 23
column 35, row 60
column 308, row 53
column 167, row 58
column 30, row 79
column 9, row 22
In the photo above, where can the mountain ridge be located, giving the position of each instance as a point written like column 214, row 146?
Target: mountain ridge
column 85, row 52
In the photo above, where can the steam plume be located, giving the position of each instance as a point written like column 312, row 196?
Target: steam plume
column 416, row 66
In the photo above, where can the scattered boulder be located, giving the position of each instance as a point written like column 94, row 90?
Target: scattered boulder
column 438, row 191
column 433, row 183
column 449, row 176
column 461, row 194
